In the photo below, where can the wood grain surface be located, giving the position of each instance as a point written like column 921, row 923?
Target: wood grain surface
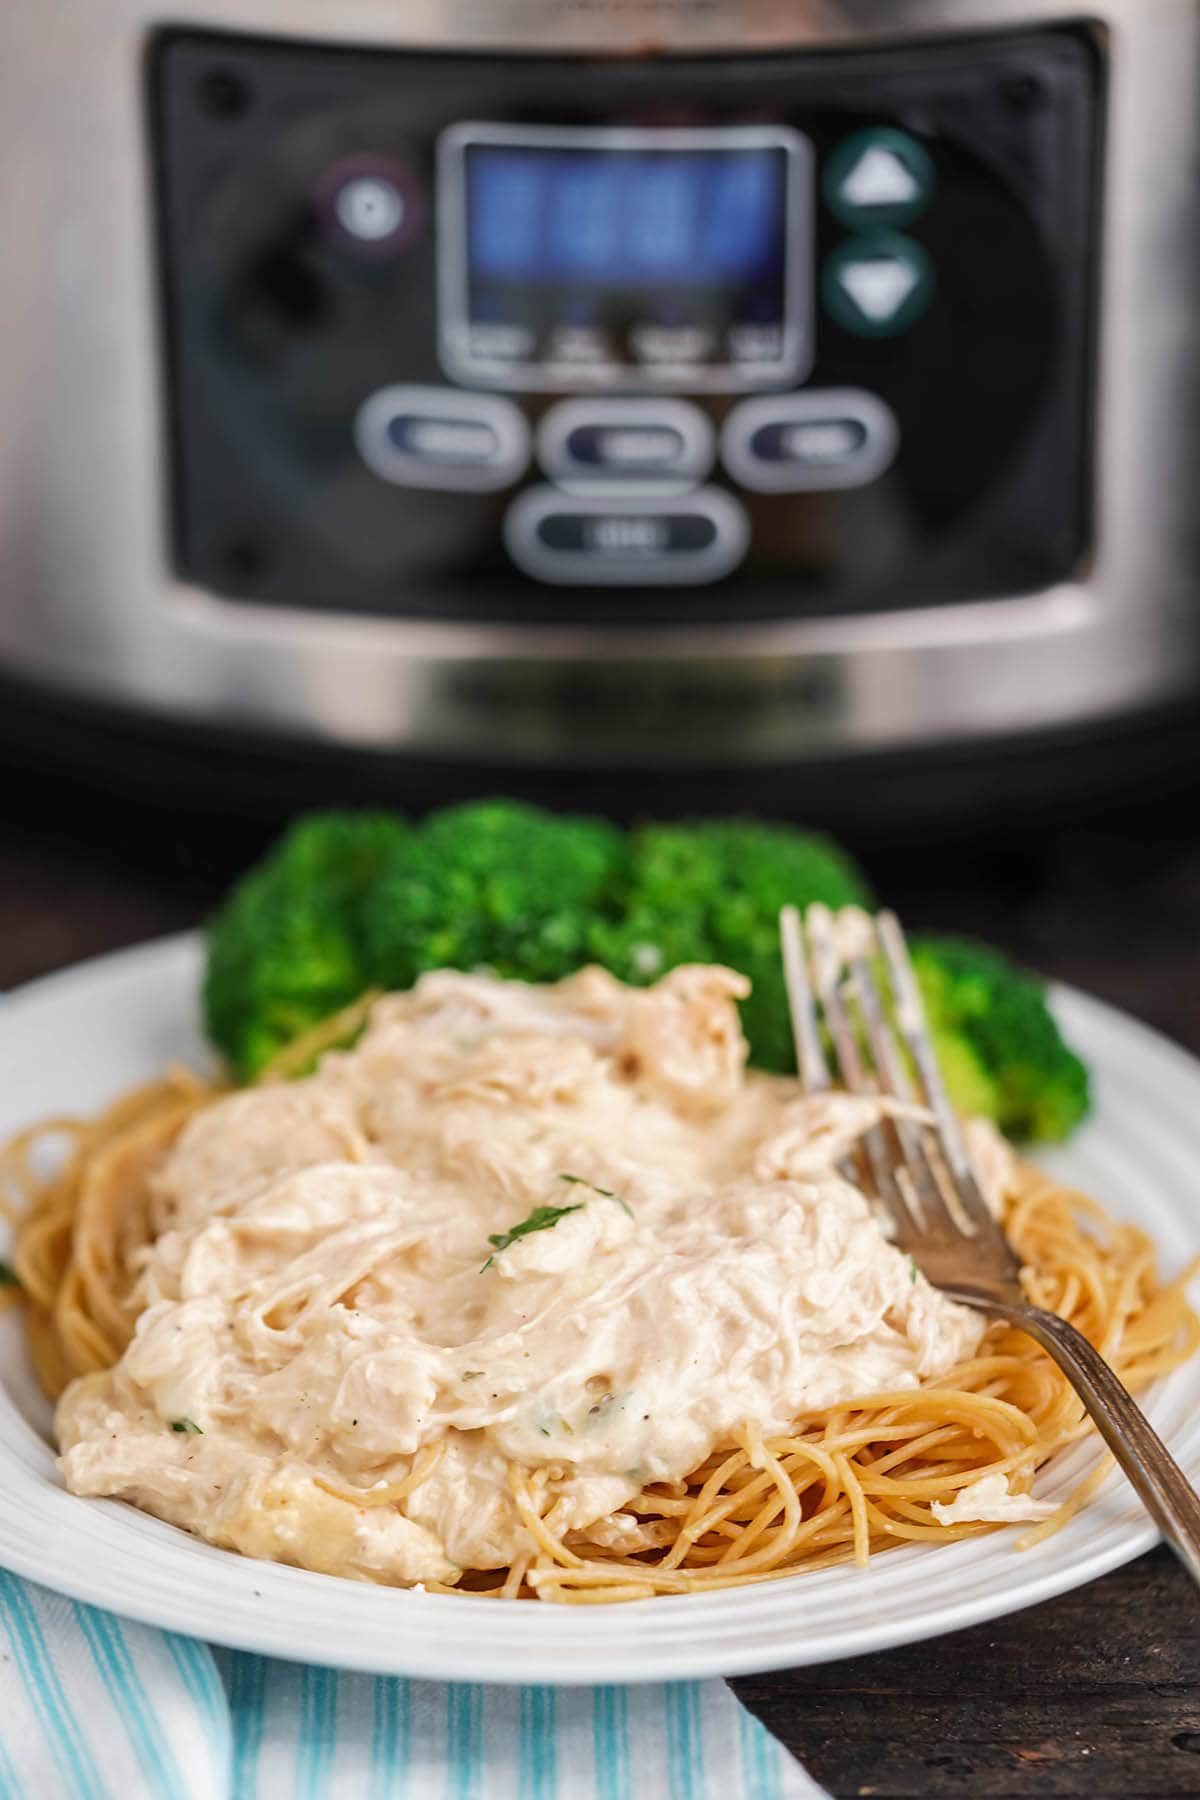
column 1094, row 1695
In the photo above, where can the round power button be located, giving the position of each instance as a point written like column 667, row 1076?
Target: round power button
column 369, row 208
column 370, row 205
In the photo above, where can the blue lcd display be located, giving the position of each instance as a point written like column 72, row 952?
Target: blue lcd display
column 624, row 219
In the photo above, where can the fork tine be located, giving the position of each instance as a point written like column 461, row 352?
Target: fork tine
column 914, row 1029
column 826, row 975
column 934, row 1214
column 826, row 981
column 810, row 1057
column 893, row 1076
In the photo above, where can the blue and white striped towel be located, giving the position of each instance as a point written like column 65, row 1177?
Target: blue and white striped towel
column 93, row 1707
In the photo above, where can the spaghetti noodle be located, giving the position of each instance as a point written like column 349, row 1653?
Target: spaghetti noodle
column 844, row 1482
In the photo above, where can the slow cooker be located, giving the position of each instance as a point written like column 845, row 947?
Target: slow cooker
column 629, row 383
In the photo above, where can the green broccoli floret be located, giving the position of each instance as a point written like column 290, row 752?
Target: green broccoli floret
column 286, row 949
column 711, row 892
column 997, row 1042
column 348, row 901
column 496, row 885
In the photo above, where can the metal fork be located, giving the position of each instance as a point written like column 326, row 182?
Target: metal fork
column 923, row 1176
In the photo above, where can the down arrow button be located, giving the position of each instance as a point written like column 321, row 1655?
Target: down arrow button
column 877, row 284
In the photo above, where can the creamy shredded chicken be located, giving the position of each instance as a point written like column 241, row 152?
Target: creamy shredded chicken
column 330, row 1295
column 990, row 1501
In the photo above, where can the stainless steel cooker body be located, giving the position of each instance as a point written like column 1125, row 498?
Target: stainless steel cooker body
column 89, row 602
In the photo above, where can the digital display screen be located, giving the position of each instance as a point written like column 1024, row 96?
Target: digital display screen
column 674, row 217
column 670, row 258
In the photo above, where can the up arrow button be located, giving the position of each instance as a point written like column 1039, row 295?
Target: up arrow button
column 877, row 284
column 879, row 177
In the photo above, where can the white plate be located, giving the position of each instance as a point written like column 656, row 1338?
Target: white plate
column 71, row 1041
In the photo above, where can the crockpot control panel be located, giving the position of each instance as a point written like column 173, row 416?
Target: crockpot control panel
column 655, row 339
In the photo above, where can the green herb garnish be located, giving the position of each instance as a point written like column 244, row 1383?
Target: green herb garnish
column 912, row 1269
column 186, row 1425
column 604, row 1193
column 8, row 1276
column 542, row 1218
column 578, row 1181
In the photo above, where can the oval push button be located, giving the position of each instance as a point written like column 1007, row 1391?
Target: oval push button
column 806, row 442
column 442, row 438
column 585, row 540
column 620, row 440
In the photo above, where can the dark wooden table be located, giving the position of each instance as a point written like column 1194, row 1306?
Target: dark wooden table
column 1096, row 1694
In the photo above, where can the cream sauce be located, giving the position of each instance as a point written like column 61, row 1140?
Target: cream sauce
column 323, row 1301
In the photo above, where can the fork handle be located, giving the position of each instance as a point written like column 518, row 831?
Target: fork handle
column 1161, row 1484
